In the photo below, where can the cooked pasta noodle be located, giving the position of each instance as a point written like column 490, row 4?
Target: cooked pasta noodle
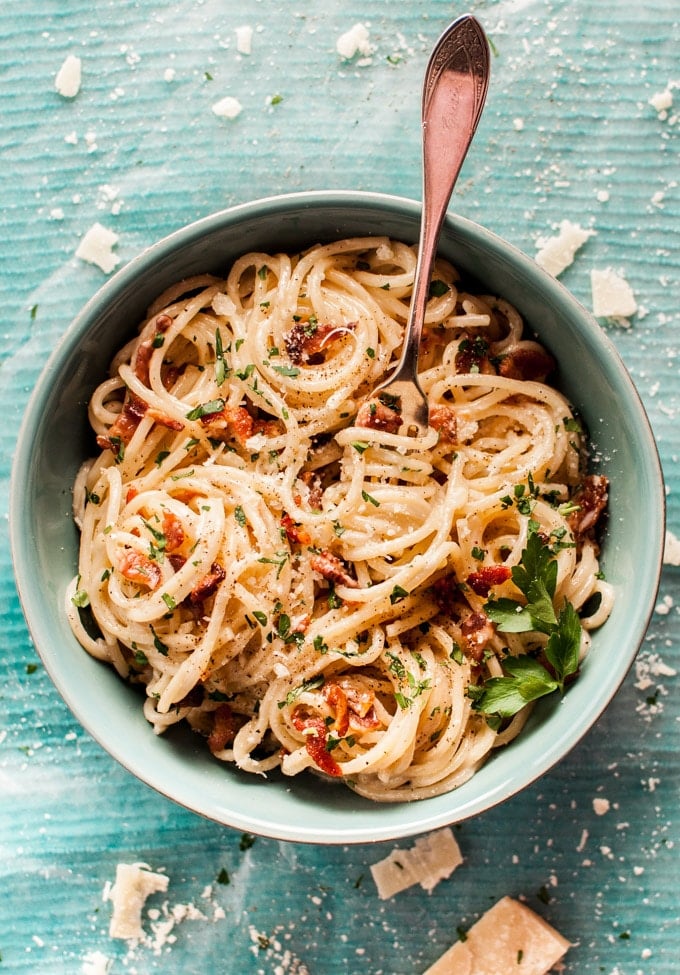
column 283, row 569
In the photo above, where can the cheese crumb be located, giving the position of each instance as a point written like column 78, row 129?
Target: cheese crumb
column 134, row 883
column 433, row 858
column 96, row 963
column 68, row 78
column 244, row 40
column 228, row 107
column 662, row 101
column 557, row 253
column 600, row 806
column 355, row 41
column 507, row 933
column 96, row 248
column 671, row 552
column 612, row 295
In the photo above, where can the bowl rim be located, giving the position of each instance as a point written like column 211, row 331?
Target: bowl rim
column 151, row 257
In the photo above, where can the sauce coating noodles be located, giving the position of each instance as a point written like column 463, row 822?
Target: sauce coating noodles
column 280, row 567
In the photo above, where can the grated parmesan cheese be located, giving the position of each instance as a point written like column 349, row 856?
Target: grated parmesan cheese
column 612, row 295
column 96, row 963
column 68, row 78
column 134, row 883
column 96, row 248
column 433, row 858
column 557, row 253
column 228, row 107
column 355, row 41
column 508, row 938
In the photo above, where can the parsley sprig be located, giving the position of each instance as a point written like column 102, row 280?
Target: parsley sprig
column 526, row 678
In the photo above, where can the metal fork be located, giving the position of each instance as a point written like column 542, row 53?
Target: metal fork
column 454, row 91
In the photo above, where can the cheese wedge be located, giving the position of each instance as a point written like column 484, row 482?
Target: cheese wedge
column 509, row 939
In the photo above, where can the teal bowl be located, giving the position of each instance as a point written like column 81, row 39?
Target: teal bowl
column 54, row 440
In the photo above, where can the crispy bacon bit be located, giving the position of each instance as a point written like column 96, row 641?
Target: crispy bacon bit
column 444, row 419
column 131, row 494
column 488, row 576
column 165, row 421
column 305, row 343
column 225, row 727
column 312, row 482
column 163, row 323
column 591, row 497
column 476, row 631
column 208, row 584
column 125, row 424
column 446, row 594
column 528, row 363
column 236, row 421
column 332, row 568
column 142, row 360
column 377, row 416
column 316, row 741
column 336, row 698
column 173, row 531
column 473, row 356
column 140, row 569
column 360, row 700
column 295, row 533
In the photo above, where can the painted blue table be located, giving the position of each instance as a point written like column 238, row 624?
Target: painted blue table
column 581, row 124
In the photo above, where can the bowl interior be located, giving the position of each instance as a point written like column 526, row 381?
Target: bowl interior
column 55, row 439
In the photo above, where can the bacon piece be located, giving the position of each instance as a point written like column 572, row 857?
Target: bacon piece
column 360, row 701
column 476, row 631
column 208, row 584
column 304, row 343
column 444, row 419
column 378, row 416
column 446, row 594
column 336, row 698
column 332, row 568
column 295, row 533
column 591, row 497
column 165, row 421
column 528, row 363
column 125, row 424
column 488, row 576
column 173, row 531
column 316, row 742
column 131, row 494
column 236, row 421
column 225, row 727
column 472, row 356
column 312, row 482
column 140, row 569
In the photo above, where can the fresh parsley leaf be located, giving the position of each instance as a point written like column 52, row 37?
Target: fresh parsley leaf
column 562, row 648
column 528, row 680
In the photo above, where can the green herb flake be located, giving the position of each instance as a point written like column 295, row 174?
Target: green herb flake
column 290, row 371
column 246, row 841
column 158, row 643
column 398, row 593
column 206, row 409
column 80, row 599
column 169, row 600
column 31, row 668
column 370, row 499
column 438, row 288
column 160, row 457
column 240, row 516
column 223, row 876
column 313, row 684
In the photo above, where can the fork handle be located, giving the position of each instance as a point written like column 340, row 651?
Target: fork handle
column 454, row 91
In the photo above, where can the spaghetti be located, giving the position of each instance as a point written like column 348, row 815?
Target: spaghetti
column 285, row 572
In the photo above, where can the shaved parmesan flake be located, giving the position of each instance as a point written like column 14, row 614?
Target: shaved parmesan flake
column 134, row 883
column 433, row 858
column 671, row 552
column 228, row 107
column 557, row 253
column 68, row 77
column 96, row 963
column 96, row 247
column 244, row 39
column 355, row 41
column 612, row 295
column 508, row 938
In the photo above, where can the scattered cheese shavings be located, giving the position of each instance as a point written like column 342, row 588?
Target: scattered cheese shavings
column 433, row 858
column 355, row 41
column 68, row 77
column 671, row 552
column 134, row 883
column 662, row 101
column 557, row 253
column 96, row 248
column 244, row 40
column 601, row 806
column 612, row 295
column 228, row 107
column 507, row 933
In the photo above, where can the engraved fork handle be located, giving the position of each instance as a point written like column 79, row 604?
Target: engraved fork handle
column 454, row 91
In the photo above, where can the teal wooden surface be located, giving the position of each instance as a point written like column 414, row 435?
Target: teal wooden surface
column 568, row 133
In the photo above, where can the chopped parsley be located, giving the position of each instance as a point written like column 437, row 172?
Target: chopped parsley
column 206, row 409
